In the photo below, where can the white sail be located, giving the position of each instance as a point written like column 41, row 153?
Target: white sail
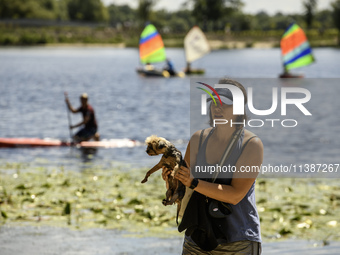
column 195, row 44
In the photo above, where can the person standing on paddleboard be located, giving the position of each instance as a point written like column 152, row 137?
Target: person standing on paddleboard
column 89, row 123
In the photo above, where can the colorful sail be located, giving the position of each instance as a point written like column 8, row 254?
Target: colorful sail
column 151, row 47
column 295, row 48
column 195, row 44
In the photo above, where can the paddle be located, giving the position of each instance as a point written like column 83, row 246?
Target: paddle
column 68, row 117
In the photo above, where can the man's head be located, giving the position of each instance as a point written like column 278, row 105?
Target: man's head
column 227, row 98
column 83, row 99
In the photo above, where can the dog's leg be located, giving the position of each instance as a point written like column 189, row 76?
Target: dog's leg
column 168, row 194
column 180, row 190
column 178, row 209
column 175, row 196
column 151, row 171
column 178, row 193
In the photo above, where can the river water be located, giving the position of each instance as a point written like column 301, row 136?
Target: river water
column 33, row 81
column 32, row 84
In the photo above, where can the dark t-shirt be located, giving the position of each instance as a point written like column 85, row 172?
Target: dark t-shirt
column 88, row 111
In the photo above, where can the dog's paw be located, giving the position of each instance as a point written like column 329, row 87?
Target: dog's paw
column 167, row 202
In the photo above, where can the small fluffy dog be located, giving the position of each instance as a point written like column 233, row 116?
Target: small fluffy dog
column 172, row 159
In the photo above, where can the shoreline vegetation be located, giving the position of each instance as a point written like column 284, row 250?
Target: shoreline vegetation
column 13, row 35
column 289, row 208
column 226, row 25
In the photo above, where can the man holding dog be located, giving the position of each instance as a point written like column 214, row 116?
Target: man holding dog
column 221, row 215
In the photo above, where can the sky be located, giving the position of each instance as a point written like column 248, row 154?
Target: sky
column 251, row 6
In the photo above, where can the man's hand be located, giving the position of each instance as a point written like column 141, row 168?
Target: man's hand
column 183, row 174
column 67, row 101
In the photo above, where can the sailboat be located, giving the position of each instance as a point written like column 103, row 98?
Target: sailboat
column 151, row 50
column 196, row 46
column 296, row 51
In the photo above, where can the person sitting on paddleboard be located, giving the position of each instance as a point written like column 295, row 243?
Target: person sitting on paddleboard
column 89, row 131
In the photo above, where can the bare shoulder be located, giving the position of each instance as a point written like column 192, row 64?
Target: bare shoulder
column 252, row 153
column 255, row 144
column 195, row 138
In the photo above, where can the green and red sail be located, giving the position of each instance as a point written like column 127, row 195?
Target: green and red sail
column 295, row 48
column 151, row 47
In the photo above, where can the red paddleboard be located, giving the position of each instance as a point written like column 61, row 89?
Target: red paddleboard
column 37, row 142
column 112, row 143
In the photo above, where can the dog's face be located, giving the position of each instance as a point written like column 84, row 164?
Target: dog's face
column 156, row 145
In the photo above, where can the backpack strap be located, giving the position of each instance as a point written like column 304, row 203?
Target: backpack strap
column 232, row 143
column 201, row 138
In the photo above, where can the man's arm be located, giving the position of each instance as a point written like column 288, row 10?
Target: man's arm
column 85, row 120
column 241, row 183
column 69, row 106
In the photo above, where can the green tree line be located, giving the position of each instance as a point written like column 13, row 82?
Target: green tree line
column 218, row 16
column 74, row 10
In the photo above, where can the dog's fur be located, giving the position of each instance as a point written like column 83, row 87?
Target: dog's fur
column 172, row 159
